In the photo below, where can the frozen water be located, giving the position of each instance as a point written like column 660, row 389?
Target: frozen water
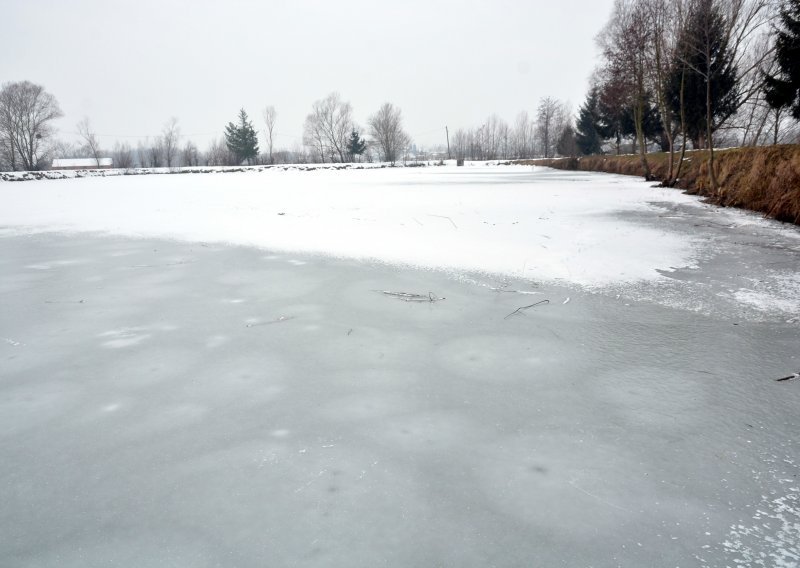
column 170, row 402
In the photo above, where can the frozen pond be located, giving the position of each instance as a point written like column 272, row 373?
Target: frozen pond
column 184, row 402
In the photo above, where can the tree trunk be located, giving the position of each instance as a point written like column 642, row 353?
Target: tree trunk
column 674, row 180
column 638, row 117
column 711, row 172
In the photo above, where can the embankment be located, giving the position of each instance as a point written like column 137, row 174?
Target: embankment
column 763, row 179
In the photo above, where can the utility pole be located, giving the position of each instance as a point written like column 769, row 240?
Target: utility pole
column 448, row 141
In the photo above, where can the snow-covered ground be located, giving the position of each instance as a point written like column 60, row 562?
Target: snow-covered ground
column 203, row 370
column 498, row 219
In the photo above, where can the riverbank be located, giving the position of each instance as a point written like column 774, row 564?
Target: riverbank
column 763, row 179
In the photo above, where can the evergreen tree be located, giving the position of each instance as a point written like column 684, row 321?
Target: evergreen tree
column 613, row 103
column 783, row 88
column 241, row 139
column 355, row 145
column 703, row 54
column 587, row 135
column 652, row 127
column 567, row 145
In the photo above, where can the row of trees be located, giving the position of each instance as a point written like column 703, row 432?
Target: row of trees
column 693, row 72
column 331, row 133
column 548, row 133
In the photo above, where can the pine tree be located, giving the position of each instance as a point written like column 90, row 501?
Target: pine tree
column 587, row 135
column 783, row 88
column 355, row 145
column 567, row 144
column 241, row 139
column 703, row 53
column 652, row 127
column 612, row 105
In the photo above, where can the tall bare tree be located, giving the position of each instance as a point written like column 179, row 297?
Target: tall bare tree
column 328, row 127
column 89, row 139
column 460, row 144
column 522, row 136
column 625, row 42
column 190, row 155
column 270, row 117
column 170, row 135
column 386, row 128
column 664, row 23
column 26, row 114
column 548, row 117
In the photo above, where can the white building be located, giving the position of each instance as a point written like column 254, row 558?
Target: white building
column 81, row 164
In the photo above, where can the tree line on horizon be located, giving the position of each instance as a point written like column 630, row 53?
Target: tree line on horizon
column 699, row 73
column 330, row 134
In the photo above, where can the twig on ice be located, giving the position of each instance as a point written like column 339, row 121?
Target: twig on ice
column 279, row 320
column 519, row 310
column 161, row 265
column 791, row 377
column 409, row 297
column 445, row 217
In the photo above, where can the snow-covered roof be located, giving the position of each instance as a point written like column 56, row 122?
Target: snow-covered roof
column 81, row 163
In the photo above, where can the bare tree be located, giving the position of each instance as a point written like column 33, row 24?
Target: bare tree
column 548, row 116
column 64, row 149
column 664, row 22
column 460, row 144
column 190, row 155
column 6, row 152
column 169, row 142
column 386, row 128
column 314, row 138
column 151, row 155
column 90, row 140
column 503, row 139
column 328, row 127
column 219, row 155
column 625, row 42
column 122, row 155
column 270, row 117
column 522, row 136
column 26, row 111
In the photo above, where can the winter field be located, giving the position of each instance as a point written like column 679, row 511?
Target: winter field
column 441, row 366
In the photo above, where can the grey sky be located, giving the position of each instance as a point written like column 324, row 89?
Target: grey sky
column 130, row 66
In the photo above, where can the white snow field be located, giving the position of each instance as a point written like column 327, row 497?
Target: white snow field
column 497, row 219
column 478, row 366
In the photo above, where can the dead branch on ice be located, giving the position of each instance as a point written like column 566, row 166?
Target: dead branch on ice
column 410, row 297
column 281, row 319
column 519, row 310
column 445, row 217
column 791, row 377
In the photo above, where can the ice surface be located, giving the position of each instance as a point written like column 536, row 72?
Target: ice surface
column 191, row 403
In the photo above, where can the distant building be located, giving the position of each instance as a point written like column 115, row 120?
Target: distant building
column 81, row 164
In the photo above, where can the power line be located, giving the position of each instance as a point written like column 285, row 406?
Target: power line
column 144, row 135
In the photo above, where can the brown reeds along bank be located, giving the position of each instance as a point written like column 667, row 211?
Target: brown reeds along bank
column 764, row 179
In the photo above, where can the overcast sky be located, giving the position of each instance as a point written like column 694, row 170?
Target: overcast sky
column 130, row 66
